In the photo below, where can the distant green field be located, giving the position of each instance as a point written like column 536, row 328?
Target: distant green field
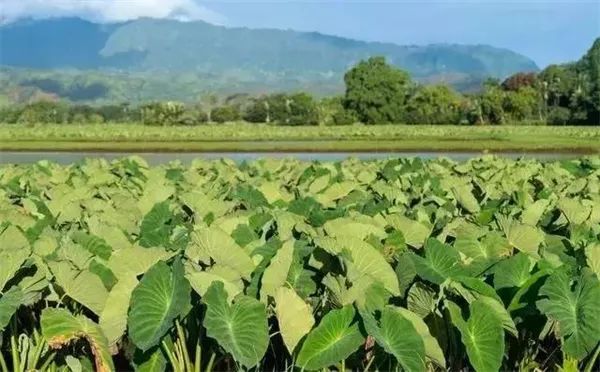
column 261, row 137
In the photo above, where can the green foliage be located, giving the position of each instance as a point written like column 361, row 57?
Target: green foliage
column 376, row 91
column 385, row 264
column 436, row 104
column 241, row 328
column 225, row 114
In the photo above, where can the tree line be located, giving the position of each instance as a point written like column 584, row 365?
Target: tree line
column 376, row 93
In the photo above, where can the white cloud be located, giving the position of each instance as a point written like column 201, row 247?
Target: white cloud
column 108, row 10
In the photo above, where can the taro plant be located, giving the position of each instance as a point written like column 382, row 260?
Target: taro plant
column 401, row 264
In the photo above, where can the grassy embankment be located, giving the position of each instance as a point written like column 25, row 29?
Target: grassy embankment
column 258, row 138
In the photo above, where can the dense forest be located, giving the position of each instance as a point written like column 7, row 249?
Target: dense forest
column 375, row 93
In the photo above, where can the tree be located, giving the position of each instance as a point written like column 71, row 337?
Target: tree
column 590, row 64
column 522, row 104
column 223, row 114
column 45, row 112
column 284, row 109
column 376, row 92
column 257, row 111
column 520, row 80
column 163, row 113
column 436, row 104
column 491, row 105
column 301, row 109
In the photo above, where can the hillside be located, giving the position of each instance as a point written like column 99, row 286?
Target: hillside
column 218, row 57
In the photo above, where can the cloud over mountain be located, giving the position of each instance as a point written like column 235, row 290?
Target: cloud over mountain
column 108, row 10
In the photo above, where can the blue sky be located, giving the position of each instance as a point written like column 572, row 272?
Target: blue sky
column 547, row 31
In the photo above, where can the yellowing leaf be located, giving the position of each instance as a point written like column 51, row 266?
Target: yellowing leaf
column 294, row 316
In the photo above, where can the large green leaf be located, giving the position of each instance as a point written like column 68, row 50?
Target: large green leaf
column 349, row 227
column 432, row 347
column 162, row 295
column 294, row 316
column 464, row 197
column 135, row 260
column 9, row 303
column 14, row 250
column 95, row 245
column 217, row 244
column 335, row 338
column 415, row 233
column 482, row 335
column 512, row 272
column 60, row 327
column 364, row 260
column 82, row 286
column 155, row 230
column 525, row 238
column 11, row 262
column 201, row 281
column 113, row 319
column 276, row 273
column 576, row 310
column 592, row 254
column 398, row 336
column 441, row 262
column 241, row 328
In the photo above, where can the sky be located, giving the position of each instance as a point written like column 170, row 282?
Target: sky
column 551, row 31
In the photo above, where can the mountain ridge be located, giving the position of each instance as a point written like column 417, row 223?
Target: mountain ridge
column 238, row 54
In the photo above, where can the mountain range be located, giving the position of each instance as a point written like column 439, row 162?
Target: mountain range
column 222, row 58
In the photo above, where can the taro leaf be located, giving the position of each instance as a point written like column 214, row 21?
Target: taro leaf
column 432, row 347
column 294, row 317
column 276, row 273
column 11, row 262
column 301, row 280
column 152, row 360
column 415, row 233
column 440, row 263
column 136, row 260
column 464, row 197
column 95, row 245
column 113, row 319
column 162, row 295
column 14, row 250
column 345, row 226
column 515, row 302
column 60, row 327
column 420, row 300
column 512, row 272
column 576, row 310
column 533, row 212
column 104, row 273
column 525, row 238
column 218, row 245
column 397, row 336
column 502, row 314
column 201, row 281
column 334, row 339
column 244, row 235
column 82, row 286
column 9, row 303
column 12, row 240
column 405, row 271
column 592, row 254
column 365, row 260
column 482, row 335
column 575, row 212
column 156, row 228
column 241, row 328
